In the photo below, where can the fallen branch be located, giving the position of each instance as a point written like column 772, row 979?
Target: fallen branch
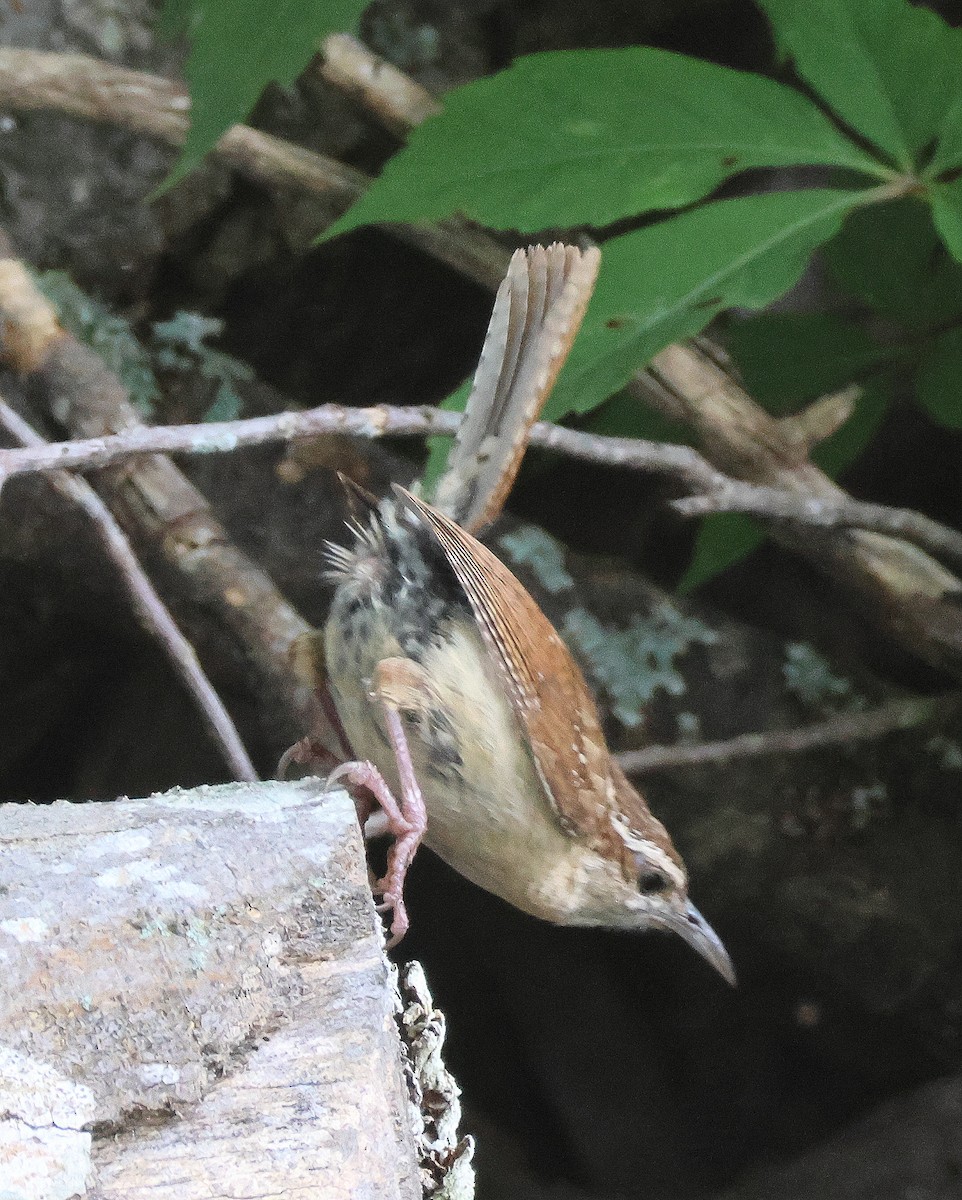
column 88, row 88
column 395, row 100
column 835, row 731
column 148, row 606
column 152, row 498
column 85, row 87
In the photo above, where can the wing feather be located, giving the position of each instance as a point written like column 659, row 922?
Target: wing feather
column 547, row 690
column 536, row 316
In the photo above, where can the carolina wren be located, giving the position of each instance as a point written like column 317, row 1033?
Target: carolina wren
column 456, row 694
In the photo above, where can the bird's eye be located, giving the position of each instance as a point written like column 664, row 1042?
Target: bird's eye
column 652, row 882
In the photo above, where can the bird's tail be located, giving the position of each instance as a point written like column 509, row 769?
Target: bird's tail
column 537, row 313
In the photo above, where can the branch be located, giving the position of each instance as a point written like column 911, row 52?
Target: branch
column 148, row 104
column 382, row 420
column 153, row 499
column 147, row 604
column 717, row 492
column 394, row 99
column 778, row 504
column 908, row 594
column 835, row 731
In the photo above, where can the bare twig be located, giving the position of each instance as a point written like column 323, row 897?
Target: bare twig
column 719, row 493
column 820, row 419
column 780, row 505
column 147, row 604
column 383, row 420
column 835, row 731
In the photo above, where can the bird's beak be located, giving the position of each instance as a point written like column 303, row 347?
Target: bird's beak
column 690, row 925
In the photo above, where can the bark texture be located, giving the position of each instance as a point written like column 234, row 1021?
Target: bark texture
column 203, row 973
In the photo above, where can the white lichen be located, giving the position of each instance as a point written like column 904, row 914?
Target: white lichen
column 689, row 728
column 183, row 889
column 445, row 1155
column 25, row 929
column 118, row 842
column 809, row 676
column 632, row 664
column 142, row 870
column 532, row 547
column 864, row 801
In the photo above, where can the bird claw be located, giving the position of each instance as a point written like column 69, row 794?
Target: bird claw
column 399, row 922
column 405, row 820
column 307, row 752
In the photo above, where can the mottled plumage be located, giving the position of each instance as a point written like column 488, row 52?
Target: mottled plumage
column 458, row 695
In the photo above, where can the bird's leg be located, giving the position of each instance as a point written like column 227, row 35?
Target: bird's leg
column 334, row 720
column 306, row 656
column 400, row 687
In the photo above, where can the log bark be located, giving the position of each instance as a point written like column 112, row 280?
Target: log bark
column 198, row 978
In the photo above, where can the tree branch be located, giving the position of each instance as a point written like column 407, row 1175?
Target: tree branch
column 835, row 731
column 908, row 594
column 382, row 420
column 148, row 606
column 394, row 99
column 778, row 504
column 154, row 499
column 717, row 492
column 148, row 104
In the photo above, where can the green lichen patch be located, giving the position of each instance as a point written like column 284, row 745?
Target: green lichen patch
column 632, row 664
column 532, row 547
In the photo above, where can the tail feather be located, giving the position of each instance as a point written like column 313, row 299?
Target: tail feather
column 537, row 313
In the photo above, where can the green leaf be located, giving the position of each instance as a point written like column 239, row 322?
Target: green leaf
column 892, row 258
column 175, row 18
column 723, row 540
column 939, row 380
column 589, row 136
column 788, row 359
column 238, row 48
column 668, row 281
column 948, row 151
column 891, row 69
column 947, row 211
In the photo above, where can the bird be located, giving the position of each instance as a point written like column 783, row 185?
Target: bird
column 465, row 714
